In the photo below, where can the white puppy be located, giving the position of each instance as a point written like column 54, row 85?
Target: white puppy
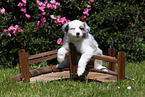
column 77, row 32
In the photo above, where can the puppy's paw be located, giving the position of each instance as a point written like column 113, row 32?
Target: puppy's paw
column 80, row 71
column 61, row 59
column 102, row 68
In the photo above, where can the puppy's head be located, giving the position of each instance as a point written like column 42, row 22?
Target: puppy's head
column 76, row 30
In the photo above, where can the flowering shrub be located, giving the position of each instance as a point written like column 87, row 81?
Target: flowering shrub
column 35, row 25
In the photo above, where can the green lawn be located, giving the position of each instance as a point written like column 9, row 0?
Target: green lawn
column 71, row 88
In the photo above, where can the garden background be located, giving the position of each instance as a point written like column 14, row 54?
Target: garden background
column 114, row 24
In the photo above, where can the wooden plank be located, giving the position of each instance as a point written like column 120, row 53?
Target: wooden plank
column 42, row 59
column 121, row 65
column 42, row 54
column 105, row 58
column 111, row 65
column 25, row 67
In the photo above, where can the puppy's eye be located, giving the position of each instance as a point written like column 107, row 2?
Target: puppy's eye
column 72, row 28
column 82, row 28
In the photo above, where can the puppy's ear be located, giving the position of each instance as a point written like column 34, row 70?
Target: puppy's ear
column 87, row 28
column 65, row 27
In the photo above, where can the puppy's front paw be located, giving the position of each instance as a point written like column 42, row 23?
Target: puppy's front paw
column 80, row 71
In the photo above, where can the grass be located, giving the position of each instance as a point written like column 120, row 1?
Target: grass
column 71, row 88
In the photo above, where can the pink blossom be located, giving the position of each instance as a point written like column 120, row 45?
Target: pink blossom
column 54, row 6
column 20, row 30
column 46, row 1
column 91, row 0
column 38, row 23
column 63, row 18
column 3, row 11
column 24, row 1
column 39, row 3
column 59, row 41
column 57, row 4
column 52, row 16
column 20, row 4
column 2, row 34
column 16, row 27
column 49, row 6
column 83, row 18
column 43, row 13
column 42, row 8
column 59, row 17
column 67, row 21
column 11, row 28
column 28, row 16
column 14, row 32
column 52, row 1
column 5, row 30
column 9, row 34
column 88, row 6
column 43, row 19
column 23, row 10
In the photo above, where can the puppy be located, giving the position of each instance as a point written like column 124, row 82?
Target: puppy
column 77, row 32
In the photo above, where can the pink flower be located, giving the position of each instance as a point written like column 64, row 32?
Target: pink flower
column 46, row 1
column 63, row 18
column 39, row 3
column 1, row 34
column 14, row 32
column 23, row 10
column 43, row 19
column 20, row 30
column 43, row 13
column 52, row 16
column 24, row 1
column 11, row 28
column 49, row 6
column 5, row 30
column 20, row 4
column 91, row 0
column 16, row 27
column 3, row 11
column 42, row 8
column 84, row 18
column 28, row 16
column 52, row 1
column 67, row 21
column 38, row 23
column 54, row 6
column 88, row 6
column 9, row 34
column 57, row 4
column 59, row 41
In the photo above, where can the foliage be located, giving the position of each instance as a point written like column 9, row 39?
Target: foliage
column 116, row 24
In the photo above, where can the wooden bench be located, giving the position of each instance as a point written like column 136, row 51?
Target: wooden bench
column 25, row 60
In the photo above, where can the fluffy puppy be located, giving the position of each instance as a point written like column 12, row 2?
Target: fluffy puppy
column 77, row 32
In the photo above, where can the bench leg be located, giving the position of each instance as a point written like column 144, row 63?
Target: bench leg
column 121, row 65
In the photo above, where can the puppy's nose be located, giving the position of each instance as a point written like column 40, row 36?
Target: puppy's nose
column 77, row 33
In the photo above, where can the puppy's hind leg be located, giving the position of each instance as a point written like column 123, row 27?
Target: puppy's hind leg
column 98, row 63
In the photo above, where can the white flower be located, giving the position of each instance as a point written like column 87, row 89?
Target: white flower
column 129, row 87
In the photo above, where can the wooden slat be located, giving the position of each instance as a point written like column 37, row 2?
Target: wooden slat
column 42, row 54
column 105, row 58
column 42, row 59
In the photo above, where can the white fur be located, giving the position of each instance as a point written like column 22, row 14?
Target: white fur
column 84, row 43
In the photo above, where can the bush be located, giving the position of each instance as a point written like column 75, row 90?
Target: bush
column 114, row 24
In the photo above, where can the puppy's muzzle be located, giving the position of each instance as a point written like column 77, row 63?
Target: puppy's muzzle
column 77, row 34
